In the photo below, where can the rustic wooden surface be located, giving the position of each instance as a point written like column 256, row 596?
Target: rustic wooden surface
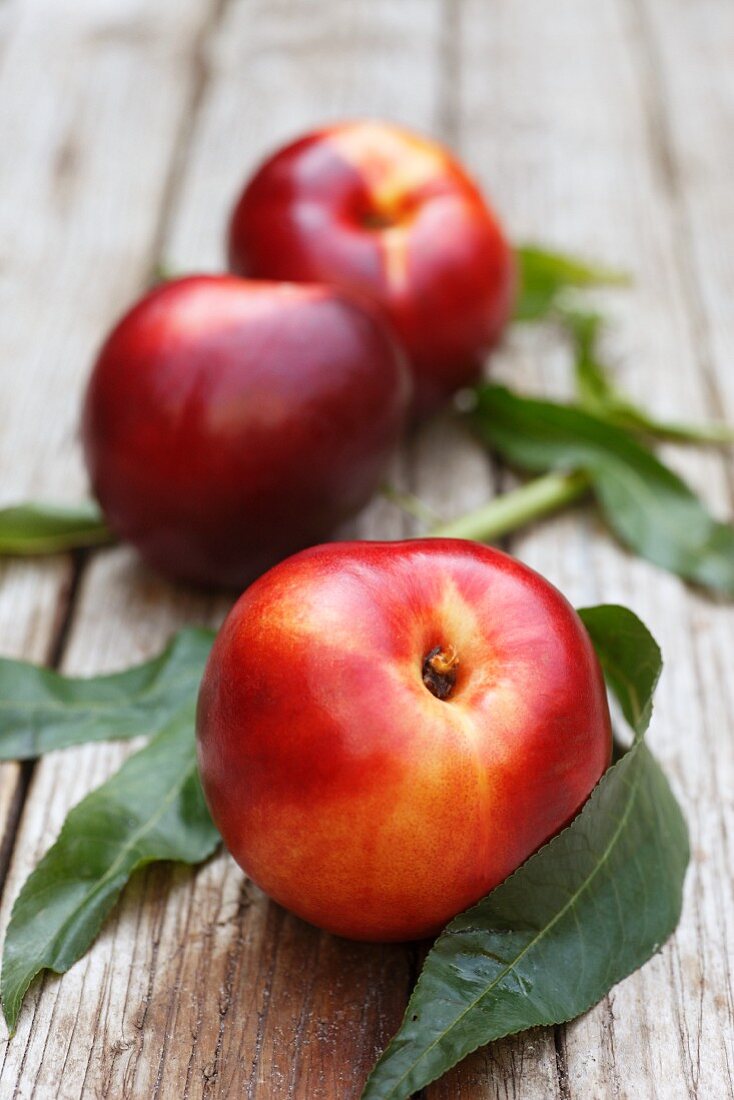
column 126, row 128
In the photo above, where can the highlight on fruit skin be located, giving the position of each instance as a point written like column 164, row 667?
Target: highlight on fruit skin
column 387, row 730
column 228, row 422
column 372, row 207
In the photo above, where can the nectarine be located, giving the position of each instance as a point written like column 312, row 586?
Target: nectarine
column 387, row 730
column 377, row 209
column 229, row 423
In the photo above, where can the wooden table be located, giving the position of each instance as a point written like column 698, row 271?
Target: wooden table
column 125, row 128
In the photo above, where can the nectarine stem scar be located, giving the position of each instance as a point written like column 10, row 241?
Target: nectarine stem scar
column 439, row 671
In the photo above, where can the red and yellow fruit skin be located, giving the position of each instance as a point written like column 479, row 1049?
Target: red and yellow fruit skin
column 378, row 210
column 342, row 786
column 229, row 423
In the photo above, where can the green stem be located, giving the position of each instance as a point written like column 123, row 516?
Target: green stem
column 511, row 510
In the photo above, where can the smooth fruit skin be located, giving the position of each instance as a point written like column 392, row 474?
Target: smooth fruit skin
column 230, row 423
column 347, row 790
column 377, row 209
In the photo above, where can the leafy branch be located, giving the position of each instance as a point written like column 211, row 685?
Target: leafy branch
column 648, row 506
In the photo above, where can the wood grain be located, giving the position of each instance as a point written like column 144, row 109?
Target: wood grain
column 599, row 128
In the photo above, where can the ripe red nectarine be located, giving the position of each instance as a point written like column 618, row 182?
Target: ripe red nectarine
column 229, row 423
column 374, row 208
column 387, row 730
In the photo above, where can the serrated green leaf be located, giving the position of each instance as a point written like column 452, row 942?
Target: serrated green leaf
column 581, row 914
column 544, row 277
column 36, row 528
column 152, row 809
column 648, row 506
column 41, row 710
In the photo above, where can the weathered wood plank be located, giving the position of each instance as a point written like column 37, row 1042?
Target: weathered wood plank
column 559, row 96
column 685, row 56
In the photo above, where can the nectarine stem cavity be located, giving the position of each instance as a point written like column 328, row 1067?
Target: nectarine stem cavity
column 439, row 671
column 376, row 219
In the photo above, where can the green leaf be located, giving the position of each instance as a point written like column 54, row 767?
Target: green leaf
column 582, row 913
column 545, row 276
column 645, row 503
column 546, row 279
column 34, row 528
column 630, row 659
column 597, row 395
column 152, row 809
column 41, row 710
